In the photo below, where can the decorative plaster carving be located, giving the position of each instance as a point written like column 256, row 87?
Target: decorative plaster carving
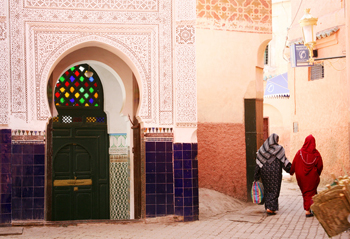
column 185, row 10
column 2, row 27
column 187, row 125
column 4, row 65
column 42, row 36
column 186, row 87
column 185, row 34
column 129, row 5
column 235, row 15
column 185, row 65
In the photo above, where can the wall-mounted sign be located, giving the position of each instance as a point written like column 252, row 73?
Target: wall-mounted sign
column 299, row 55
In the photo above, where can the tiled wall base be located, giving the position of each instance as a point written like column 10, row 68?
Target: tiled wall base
column 159, row 177
column 120, row 190
column 119, row 177
column 28, row 181
column 171, row 179
column 186, row 181
column 5, row 176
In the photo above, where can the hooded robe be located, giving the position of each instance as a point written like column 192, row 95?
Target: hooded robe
column 307, row 166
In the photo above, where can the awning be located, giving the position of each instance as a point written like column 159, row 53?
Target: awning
column 277, row 87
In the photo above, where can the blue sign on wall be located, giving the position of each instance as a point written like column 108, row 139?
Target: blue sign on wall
column 299, row 55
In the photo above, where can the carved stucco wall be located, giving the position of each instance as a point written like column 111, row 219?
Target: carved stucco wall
column 235, row 15
column 4, row 65
column 156, row 37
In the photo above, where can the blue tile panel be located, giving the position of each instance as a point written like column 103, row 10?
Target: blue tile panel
column 159, row 179
column 28, row 181
column 5, row 176
column 186, row 181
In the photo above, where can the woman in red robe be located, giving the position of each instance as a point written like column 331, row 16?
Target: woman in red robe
column 307, row 166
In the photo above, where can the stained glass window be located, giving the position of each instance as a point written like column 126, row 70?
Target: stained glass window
column 73, row 88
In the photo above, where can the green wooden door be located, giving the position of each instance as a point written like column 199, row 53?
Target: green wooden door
column 80, row 156
column 80, row 164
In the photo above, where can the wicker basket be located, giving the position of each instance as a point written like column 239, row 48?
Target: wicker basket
column 332, row 208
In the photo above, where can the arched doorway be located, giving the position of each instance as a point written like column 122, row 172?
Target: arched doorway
column 80, row 165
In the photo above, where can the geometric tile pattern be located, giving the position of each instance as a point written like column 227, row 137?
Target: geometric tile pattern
column 120, row 190
column 118, row 144
column 185, row 34
column 235, row 15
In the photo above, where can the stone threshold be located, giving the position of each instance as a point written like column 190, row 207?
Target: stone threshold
column 70, row 223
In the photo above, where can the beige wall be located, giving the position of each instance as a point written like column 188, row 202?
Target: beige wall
column 227, row 73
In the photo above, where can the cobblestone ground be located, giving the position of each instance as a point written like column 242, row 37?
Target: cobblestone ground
column 290, row 222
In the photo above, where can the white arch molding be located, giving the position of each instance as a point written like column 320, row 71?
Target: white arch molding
column 142, row 73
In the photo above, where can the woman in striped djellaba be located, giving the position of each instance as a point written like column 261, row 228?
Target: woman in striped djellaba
column 270, row 159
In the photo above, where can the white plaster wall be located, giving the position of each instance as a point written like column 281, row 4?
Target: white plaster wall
column 281, row 18
column 114, row 98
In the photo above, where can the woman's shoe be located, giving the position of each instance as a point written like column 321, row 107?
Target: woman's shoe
column 309, row 214
column 269, row 212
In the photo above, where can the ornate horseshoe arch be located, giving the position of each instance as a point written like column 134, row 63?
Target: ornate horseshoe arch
column 141, row 61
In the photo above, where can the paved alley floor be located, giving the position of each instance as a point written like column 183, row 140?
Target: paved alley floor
column 250, row 222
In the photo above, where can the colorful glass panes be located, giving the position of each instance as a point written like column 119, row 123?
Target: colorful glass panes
column 73, row 88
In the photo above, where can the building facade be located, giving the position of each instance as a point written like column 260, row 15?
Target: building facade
column 320, row 93
column 120, row 144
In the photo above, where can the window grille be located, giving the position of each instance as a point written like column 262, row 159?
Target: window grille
column 316, row 72
column 266, row 55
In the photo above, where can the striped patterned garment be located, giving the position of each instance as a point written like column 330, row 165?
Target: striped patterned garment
column 270, row 150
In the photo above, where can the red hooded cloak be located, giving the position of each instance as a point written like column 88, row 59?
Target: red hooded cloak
column 307, row 166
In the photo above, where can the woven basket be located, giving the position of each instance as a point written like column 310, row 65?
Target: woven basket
column 332, row 208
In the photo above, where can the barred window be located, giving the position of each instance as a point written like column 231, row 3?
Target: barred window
column 266, row 55
column 316, row 72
